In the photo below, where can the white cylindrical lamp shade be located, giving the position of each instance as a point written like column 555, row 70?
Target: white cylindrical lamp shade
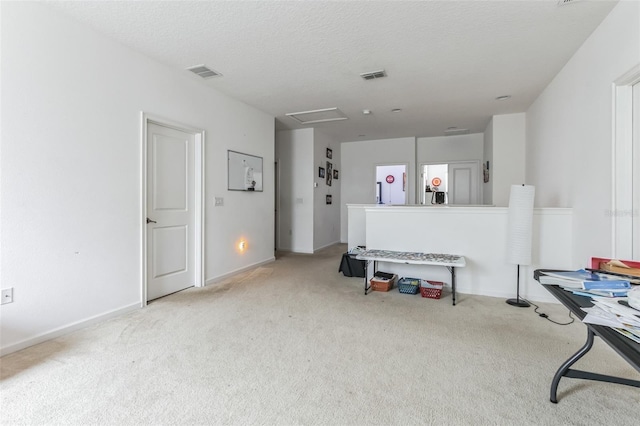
column 520, row 231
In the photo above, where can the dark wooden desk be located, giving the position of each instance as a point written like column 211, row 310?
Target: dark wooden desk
column 625, row 347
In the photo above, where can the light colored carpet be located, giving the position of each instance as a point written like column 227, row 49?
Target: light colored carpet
column 296, row 343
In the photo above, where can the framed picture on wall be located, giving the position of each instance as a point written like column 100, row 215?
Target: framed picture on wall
column 329, row 173
column 335, row 174
column 244, row 172
column 328, row 199
column 321, row 172
column 329, row 153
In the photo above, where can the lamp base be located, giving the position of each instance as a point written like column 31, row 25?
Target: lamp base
column 518, row 302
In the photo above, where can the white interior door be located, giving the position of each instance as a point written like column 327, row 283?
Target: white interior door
column 464, row 182
column 170, row 211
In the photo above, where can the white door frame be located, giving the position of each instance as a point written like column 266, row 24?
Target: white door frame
column 199, row 138
column 623, row 212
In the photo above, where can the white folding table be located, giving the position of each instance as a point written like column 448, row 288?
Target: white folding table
column 450, row 261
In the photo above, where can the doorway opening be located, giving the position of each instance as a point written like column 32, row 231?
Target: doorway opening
column 625, row 209
column 435, row 181
column 450, row 183
column 391, row 184
column 635, row 178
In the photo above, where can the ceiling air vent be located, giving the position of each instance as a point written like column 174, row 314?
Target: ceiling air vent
column 204, row 71
column 318, row 116
column 563, row 2
column 373, row 75
column 452, row 131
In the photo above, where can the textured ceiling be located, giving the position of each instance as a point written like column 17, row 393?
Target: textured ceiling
column 446, row 61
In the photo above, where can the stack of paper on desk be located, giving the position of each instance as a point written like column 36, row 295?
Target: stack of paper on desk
column 585, row 280
column 615, row 313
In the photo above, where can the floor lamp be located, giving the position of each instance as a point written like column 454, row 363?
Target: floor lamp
column 520, row 232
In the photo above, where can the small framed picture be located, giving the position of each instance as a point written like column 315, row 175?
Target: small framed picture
column 335, row 174
column 321, row 172
column 329, row 173
column 329, row 153
column 328, row 199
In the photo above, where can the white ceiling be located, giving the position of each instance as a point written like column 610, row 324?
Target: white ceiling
column 446, row 61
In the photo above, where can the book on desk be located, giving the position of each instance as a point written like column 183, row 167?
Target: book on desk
column 585, row 280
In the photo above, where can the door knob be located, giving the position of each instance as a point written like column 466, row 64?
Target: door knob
column 151, row 221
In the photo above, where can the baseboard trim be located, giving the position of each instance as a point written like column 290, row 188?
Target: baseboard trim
column 66, row 329
column 326, row 246
column 503, row 295
column 315, row 250
column 214, row 280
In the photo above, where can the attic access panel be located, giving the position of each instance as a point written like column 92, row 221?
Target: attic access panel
column 318, row 116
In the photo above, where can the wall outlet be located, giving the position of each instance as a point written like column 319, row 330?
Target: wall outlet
column 7, row 295
column 219, row 201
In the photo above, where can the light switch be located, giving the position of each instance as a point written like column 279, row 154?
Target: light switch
column 219, row 202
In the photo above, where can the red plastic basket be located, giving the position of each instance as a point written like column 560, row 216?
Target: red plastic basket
column 431, row 289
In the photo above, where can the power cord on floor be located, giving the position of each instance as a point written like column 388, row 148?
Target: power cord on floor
column 545, row 316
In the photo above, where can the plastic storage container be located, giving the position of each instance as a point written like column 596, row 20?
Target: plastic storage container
column 409, row 285
column 383, row 281
column 431, row 289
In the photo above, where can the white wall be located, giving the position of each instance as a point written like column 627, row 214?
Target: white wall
column 71, row 172
column 569, row 131
column 356, row 235
column 450, row 149
column 326, row 217
column 306, row 223
column 359, row 160
column 294, row 151
column 358, row 171
column 447, row 149
column 477, row 233
column 508, row 165
column 487, row 187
